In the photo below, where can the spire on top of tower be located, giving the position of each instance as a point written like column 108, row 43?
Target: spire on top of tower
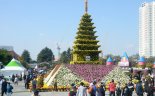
column 86, row 6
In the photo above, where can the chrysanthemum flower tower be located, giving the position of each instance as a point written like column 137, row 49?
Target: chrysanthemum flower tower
column 85, row 48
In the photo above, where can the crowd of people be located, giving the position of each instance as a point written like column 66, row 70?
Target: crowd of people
column 144, row 88
column 6, row 87
column 30, row 79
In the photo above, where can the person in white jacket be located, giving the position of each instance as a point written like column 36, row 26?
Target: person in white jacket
column 81, row 90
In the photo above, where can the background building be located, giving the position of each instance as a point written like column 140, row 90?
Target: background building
column 147, row 29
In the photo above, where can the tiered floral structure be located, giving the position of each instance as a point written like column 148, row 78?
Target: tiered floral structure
column 85, row 49
column 85, row 65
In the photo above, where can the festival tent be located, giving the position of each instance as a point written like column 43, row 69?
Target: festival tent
column 13, row 67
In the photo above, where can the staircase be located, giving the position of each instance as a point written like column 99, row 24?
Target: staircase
column 51, row 73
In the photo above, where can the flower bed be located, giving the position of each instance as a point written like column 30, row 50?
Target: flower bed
column 66, row 77
column 118, row 75
column 89, row 72
column 76, row 73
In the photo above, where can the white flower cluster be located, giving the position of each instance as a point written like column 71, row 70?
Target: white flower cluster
column 118, row 75
column 66, row 76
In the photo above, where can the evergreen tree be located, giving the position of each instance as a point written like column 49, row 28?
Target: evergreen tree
column 66, row 56
column 5, row 57
column 63, row 58
column 26, row 56
column 85, row 44
column 45, row 55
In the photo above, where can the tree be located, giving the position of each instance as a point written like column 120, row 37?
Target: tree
column 45, row 55
column 66, row 56
column 116, row 58
column 5, row 57
column 23, row 62
column 85, row 44
column 150, row 60
column 26, row 56
column 134, row 60
column 149, row 65
column 63, row 58
column 68, row 53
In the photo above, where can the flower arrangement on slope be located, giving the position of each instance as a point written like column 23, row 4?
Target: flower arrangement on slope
column 89, row 72
column 118, row 75
column 66, row 77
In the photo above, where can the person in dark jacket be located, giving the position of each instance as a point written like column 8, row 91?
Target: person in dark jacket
column 126, row 91
column 93, row 89
column 13, row 78
column 146, row 87
column 72, row 92
column 4, row 87
column 131, row 87
column 9, row 89
column 139, row 89
column 36, row 93
column 118, row 89
column 150, row 91
column 101, row 90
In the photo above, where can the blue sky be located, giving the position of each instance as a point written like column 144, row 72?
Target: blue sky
column 35, row 24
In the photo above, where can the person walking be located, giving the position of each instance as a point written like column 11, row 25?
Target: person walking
column 4, row 87
column 34, row 85
column 112, row 88
column 151, row 90
column 126, row 91
column 118, row 89
column 101, row 90
column 139, row 89
column 131, row 87
column 55, row 85
column 9, row 89
column 92, row 90
column 16, row 80
column 72, row 92
column 36, row 93
column 13, row 78
column 81, row 90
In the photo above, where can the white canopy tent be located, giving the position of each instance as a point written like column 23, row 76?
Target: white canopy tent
column 13, row 67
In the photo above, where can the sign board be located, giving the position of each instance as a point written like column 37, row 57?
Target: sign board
column 87, row 58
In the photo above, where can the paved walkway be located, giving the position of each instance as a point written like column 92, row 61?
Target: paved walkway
column 19, row 90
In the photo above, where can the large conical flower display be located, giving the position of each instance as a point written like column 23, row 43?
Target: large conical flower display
column 141, row 61
column 68, row 74
column 85, row 48
column 109, row 61
column 124, row 60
